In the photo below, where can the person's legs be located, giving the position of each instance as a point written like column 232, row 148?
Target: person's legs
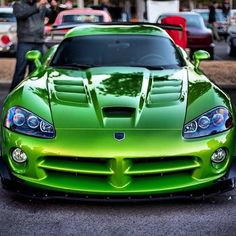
column 21, row 64
column 215, row 32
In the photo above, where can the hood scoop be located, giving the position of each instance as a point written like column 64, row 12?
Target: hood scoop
column 115, row 112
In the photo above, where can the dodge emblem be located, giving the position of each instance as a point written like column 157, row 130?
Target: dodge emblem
column 119, row 136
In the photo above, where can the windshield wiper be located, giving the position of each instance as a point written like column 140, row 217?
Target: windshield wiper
column 154, row 67
column 163, row 67
column 74, row 66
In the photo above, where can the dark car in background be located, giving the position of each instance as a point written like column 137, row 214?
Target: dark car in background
column 221, row 21
column 231, row 41
column 198, row 36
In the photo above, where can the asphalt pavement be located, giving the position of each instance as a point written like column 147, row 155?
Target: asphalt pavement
column 220, row 51
column 214, row 216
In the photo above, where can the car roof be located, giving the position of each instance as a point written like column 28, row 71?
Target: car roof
column 182, row 13
column 6, row 9
column 179, row 13
column 83, row 11
column 78, row 11
column 205, row 10
column 233, row 10
column 93, row 29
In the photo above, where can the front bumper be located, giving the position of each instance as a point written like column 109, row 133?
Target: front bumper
column 15, row 185
column 11, row 48
column 92, row 164
column 209, row 48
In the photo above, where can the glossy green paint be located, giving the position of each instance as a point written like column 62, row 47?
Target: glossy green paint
column 35, row 56
column 198, row 56
column 150, row 94
column 128, row 29
column 49, row 54
column 84, row 157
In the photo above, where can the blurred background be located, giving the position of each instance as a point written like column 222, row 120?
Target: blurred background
column 140, row 9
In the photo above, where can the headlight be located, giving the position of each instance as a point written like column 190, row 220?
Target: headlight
column 23, row 121
column 212, row 122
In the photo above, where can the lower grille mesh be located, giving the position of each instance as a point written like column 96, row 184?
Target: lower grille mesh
column 118, row 172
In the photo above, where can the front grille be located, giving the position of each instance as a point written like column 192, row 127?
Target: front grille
column 76, row 165
column 70, row 91
column 117, row 173
column 165, row 91
column 162, row 166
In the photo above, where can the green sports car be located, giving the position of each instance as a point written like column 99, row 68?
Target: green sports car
column 117, row 112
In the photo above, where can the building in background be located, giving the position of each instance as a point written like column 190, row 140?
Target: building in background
column 156, row 8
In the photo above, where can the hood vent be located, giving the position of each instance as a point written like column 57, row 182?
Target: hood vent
column 70, row 91
column 114, row 112
column 165, row 91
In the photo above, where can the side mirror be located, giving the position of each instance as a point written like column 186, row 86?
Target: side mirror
column 199, row 56
column 35, row 56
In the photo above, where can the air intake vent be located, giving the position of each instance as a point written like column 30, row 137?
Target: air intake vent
column 70, row 91
column 118, row 111
column 165, row 91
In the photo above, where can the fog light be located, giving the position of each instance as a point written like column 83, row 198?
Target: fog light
column 219, row 155
column 19, row 156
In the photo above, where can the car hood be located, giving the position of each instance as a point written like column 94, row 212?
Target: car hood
column 118, row 97
column 191, row 31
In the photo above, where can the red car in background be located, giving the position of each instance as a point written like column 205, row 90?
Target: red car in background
column 73, row 17
column 198, row 35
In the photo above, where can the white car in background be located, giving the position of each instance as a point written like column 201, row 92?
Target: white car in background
column 8, row 39
column 233, row 16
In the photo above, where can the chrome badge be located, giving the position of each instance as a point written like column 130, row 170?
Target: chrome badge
column 119, row 136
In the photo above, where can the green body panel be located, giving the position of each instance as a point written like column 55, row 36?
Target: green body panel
column 151, row 95
column 87, row 107
column 101, row 30
column 93, row 161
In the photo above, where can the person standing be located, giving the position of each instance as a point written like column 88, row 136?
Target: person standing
column 212, row 19
column 226, row 8
column 105, row 5
column 30, row 33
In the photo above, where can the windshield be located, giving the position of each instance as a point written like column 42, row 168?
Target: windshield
column 118, row 50
column 194, row 21
column 7, row 17
column 220, row 16
column 205, row 15
column 82, row 18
